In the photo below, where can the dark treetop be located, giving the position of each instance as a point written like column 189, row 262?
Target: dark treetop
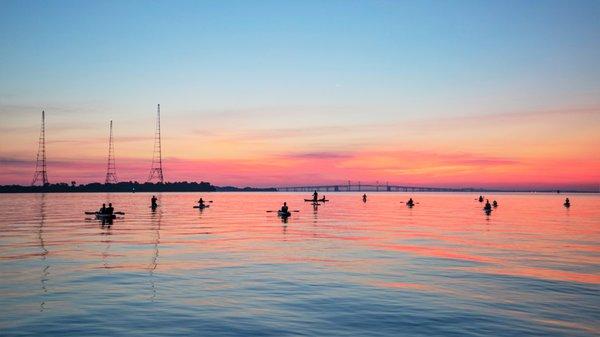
column 130, row 186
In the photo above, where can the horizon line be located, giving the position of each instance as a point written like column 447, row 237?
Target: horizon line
column 343, row 187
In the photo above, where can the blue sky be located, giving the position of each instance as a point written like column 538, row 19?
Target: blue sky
column 304, row 52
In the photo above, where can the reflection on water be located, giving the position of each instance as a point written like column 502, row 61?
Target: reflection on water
column 45, row 265
column 442, row 267
column 156, row 220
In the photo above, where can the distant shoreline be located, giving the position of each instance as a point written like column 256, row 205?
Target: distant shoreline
column 132, row 187
column 129, row 187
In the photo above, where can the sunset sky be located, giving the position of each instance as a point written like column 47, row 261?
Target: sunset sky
column 272, row 93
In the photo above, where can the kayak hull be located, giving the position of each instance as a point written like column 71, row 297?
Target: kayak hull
column 106, row 216
column 283, row 214
column 101, row 214
column 202, row 207
column 318, row 200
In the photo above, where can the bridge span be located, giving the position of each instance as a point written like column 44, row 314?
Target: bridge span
column 371, row 188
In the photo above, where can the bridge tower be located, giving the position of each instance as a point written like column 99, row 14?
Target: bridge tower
column 41, row 175
column 111, row 171
column 156, row 171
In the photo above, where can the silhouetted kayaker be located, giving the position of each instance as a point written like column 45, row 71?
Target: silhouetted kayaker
column 364, row 198
column 201, row 203
column 110, row 210
column 315, row 196
column 567, row 203
column 153, row 203
column 102, row 209
column 488, row 206
column 284, row 208
column 495, row 203
column 480, row 198
column 410, row 202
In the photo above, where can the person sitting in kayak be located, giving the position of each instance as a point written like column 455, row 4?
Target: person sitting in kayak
column 495, row 203
column 488, row 206
column 102, row 209
column 567, row 202
column 315, row 196
column 284, row 208
column 153, row 203
column 201, row 203
column 110, row 210
column 410, row 202
column 323, row 198
column 480, row 198
column 364, row 198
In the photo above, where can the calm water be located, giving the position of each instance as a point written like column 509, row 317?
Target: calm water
column 443, row 268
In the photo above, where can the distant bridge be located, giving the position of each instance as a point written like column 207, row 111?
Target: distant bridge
column 371, row 188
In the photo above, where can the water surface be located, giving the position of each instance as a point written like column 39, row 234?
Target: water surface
column 442, row 268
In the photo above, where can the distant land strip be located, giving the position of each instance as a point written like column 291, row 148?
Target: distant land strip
column 129, row 187
column 184, row 186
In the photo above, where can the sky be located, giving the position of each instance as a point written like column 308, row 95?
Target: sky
column 493, row 94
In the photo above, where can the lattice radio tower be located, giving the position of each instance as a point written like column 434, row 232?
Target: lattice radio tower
column 156, row 170
column 111, row 171
column 40, row 165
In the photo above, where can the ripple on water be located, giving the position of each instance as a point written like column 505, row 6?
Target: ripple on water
column 442, row 268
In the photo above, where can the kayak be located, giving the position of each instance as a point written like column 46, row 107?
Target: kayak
column 105, row 216
column 567, row 205
column 318, row 200
column 98, row 213
column 283, row 214
column 202, row 207
column 410, row 205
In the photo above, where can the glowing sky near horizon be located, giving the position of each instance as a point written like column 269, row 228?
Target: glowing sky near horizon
column 465, row 94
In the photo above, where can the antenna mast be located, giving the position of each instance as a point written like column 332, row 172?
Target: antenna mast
column 156, row 169
column 111, row 171
column 40, row 164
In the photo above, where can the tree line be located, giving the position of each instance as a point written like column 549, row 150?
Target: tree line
column 131, row 186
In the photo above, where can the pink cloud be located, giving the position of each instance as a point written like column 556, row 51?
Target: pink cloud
column 406, row 167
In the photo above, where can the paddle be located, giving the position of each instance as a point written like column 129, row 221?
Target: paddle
column 404, row 202
column 295, row 210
